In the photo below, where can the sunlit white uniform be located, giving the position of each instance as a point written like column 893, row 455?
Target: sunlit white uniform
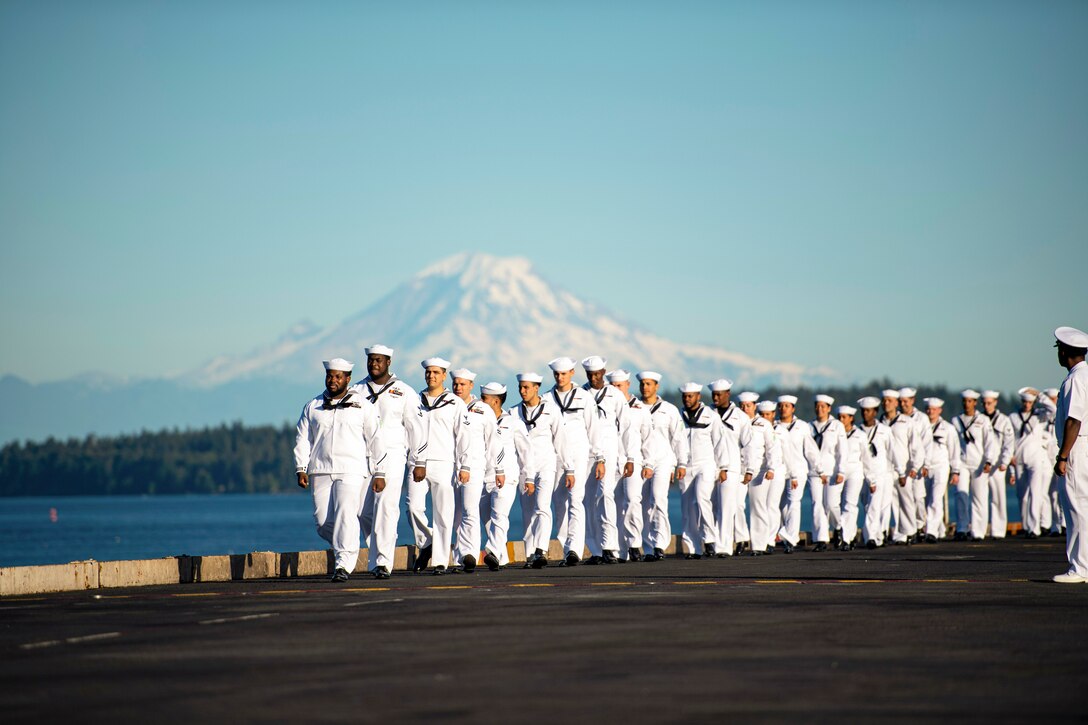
column 978, row 447
column 764, row 449
column 800, row 457
column 878, row 461
column 669, row 445
column 514, row 463
column 854, row 474
column 707, row 458
column 581, row 422
column 829, row 438
column 1033, row 469
column 636, row 440
column 1006, row 440
column 900, row 502
column 729, row 497
column 442, row 446
column 547, row 434
column 942, row 461
column 480, row 456
column 1073, row 403
column 600, row 495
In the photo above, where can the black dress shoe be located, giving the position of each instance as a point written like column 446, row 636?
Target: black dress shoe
column 755, row 552
column 787, row 547
column 870, row 544
column 690, row 557
column 592, row 561
column 423, row 558
column 820, row 546
column 492, row 561
column 659, row 554
column 931, row 539
column 468, row 563
column 708, row 550
column 634, row 554
column 539, row 560
column 438, row 571
column 340, row 575
column 976, row 538
column 722, row 556
column 769, row 550
column 381, row 573
column 608, row 557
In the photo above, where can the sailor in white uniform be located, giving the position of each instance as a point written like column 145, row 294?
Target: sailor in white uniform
column 670, row 447
column 878, row 461
column 940, row 467
column 707, row 468
column 512, row 467
column 731, row 495
column 1071, row 464
column 547, row 434
column 443, row 445
column 1052, row 521
column 826, row 488
column 999, row 476
column 854, row 442
column 338, row 451
column 979, row 451
column 900, row 506
column 765, row 490
column 398, row 406
column 581, row 422
column 636, row 443
column 907, row 409
column 480, row 457
column 801, row 457
column 1030, row 466
column 602, row 536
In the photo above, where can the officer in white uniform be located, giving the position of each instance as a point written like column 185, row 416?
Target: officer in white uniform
column 512, row 466
column 1071, row 465
column 1006, row 439
column 443, row 446
column 480, row 457
column 765, row 491
column 547, row 434
column 853, row 476
column 580, row 420
column 826, row 489
column 602, row 536
column 670, row 447
column 879, row 463
column 707, row 468
column 801, row 457
column 398, row 406
column 636, row 442
column 338, row 450
column 940, row 467
column 1030, row 465
column 731, row 495
column 979, row 452
column 907, row 397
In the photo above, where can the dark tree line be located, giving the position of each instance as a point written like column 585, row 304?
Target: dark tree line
column 240, row 459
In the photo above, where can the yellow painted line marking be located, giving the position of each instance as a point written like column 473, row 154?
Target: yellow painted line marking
column 34, row 599
column 694, row 583
column 282, row 591
column 459, row 586
column 860, row 581
column 945, row 581
column 1019, row 580
column 367, row 589
column 532, row 585
column 611, row 584
column 113, row 596
column 777, row 581
column 197, row 594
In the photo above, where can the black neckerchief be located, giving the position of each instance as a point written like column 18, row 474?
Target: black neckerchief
column 872, row 437
column 819, row 434
column 655, row 406
column 327, row 403
column 632, row 402
column 570, row 401
column 937, row 438
column 1023, row 421
column 694, row 422
column 440, row 402
column 598, row 398
column 530, row 423
column 373, row 397
column 966, row 427
column 727, row 413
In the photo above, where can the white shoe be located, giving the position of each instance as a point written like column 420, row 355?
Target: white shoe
column 1070, row 578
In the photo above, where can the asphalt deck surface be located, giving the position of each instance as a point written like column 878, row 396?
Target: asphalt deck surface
column 952, row 631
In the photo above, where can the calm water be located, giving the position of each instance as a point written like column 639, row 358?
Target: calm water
column 143, row 527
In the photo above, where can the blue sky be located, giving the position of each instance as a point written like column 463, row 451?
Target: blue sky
column 893, row 188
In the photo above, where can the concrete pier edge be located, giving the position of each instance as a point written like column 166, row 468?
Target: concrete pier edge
column 184, row 569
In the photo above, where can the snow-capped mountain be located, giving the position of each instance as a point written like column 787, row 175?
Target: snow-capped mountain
column 497, row 316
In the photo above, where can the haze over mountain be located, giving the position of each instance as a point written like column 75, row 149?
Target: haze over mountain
column 494, row 315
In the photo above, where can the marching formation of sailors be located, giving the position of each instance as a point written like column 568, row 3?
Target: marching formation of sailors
column 596, row 463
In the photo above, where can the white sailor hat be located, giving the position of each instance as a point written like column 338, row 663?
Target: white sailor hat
column 821, row 398
column 890, row 393
column 791, row 399
column 907, row 392
column 435, row 362
column 379, row 350
column 338, row 363
column 594, row 362
column 618, row 376
column 649, row 375
column 1051, row 392
column 1071, row 336
column 1026, row 394
column 766, row 406
column 492, row 389
column 561, row 365
column 530, row 378
column 869, row 401
column 934, row 403
column 716, row 386
column 970, row 394
column 847, row 410
column 691, row 388
column 990, row 395
column 463, row 374
column 748, row 397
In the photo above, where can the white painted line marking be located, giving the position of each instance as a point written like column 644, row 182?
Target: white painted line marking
column 93, row 637
column 246, row 618
column 376, row 601
column 40, row 645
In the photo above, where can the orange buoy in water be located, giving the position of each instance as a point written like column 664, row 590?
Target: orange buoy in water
column 53, row 515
